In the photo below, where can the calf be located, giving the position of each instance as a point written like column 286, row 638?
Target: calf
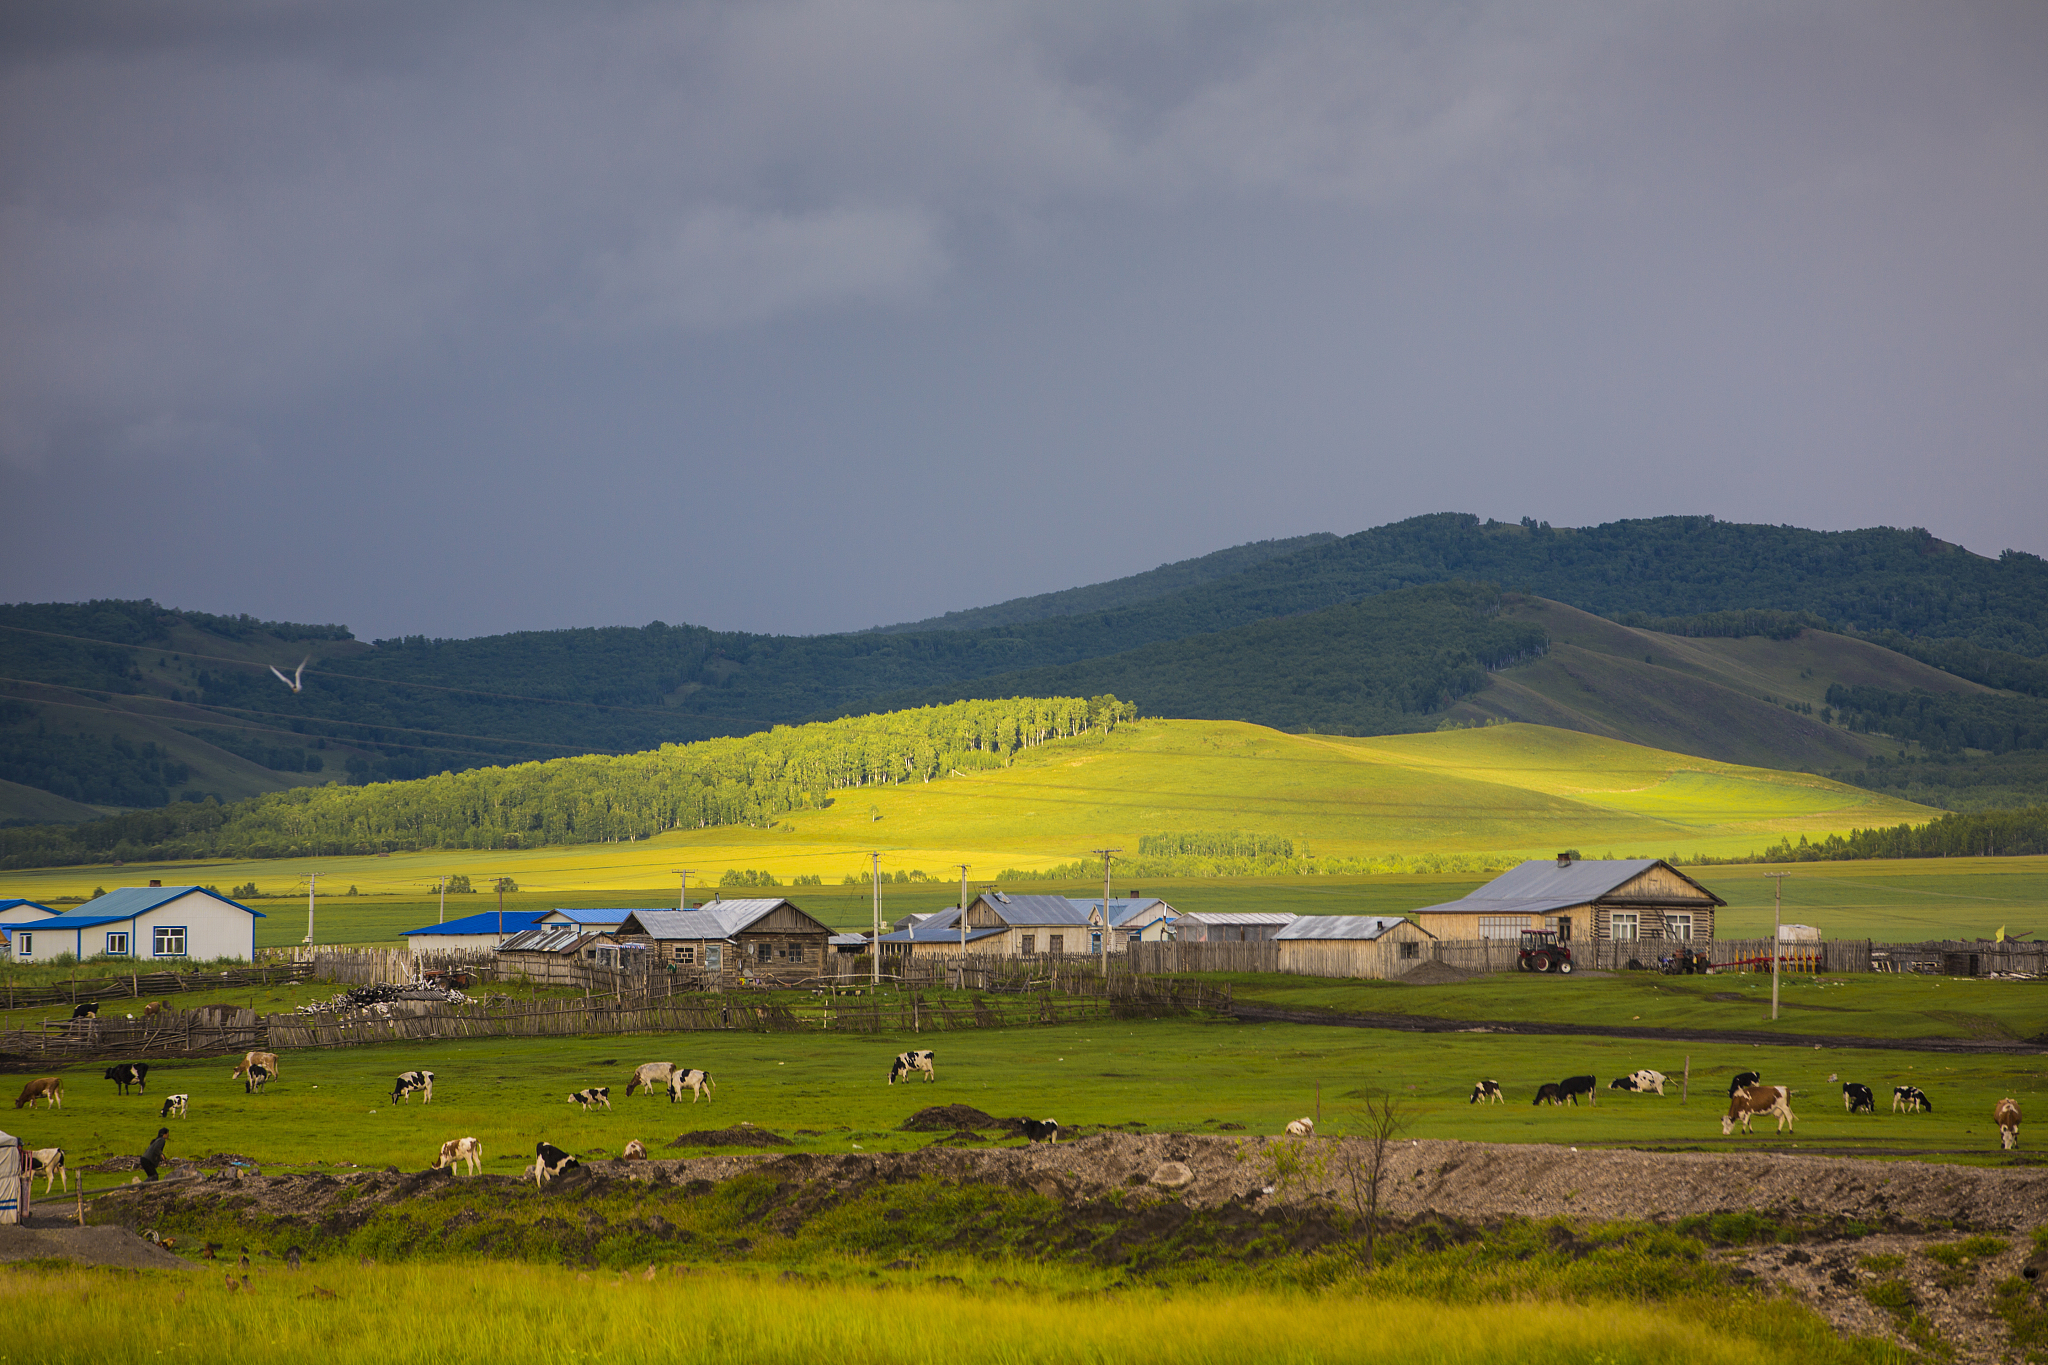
column 267, row 1060
column 1571, row 1087
column 409, row 1081
column 1910, row 1098
column 2006, row 1114
column 89, row 1010
column 1046, row 1130
column 127, row 1074
column 1775, row 1100
column 173, row 1104
column 1302, row 1128
column 636, row 1150
column 550, row 1161
column 907, row 1062
column 595, row 1097
column 1486, row 1090
column 253, row 1079
column 1646, row 1081
column 693, row 1079
column 650, row 1074
column 153, row 1010
column 1857, row 1099
column 48, row 1162
column 462, row 1152
column 1547, row 1094
column 48, row 1088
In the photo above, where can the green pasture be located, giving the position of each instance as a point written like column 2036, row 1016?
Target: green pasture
column 829, row 1092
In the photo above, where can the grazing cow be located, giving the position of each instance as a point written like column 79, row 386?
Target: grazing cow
column 1302, row 1128
column 595, row 1097
column 907, row 1062
column 154, row 1010
column 1645, row 1081
column 174, row 1104
column 2007, row 1115
column 48, row 1162
column 409, row 1081
column 636, row 1150
column 1857, row 1099
column 1048, row 1130
column 693, row 1079
column 1571, row 1087
column 1775, row 1100
column 1486, row 1090
column 1743, row 1081
column 48, row 1088
column 648, row 1075
column 267, row 1060
column 253, row 1081
column 550, row 1161
column 89, row 1010
column 462, row 1152
column 127, row 1074
column 1910, row 1098
column 1547, row 1094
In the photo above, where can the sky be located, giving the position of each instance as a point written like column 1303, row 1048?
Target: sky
column 811, row 315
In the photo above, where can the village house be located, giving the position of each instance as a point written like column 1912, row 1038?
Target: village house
column 1619, row 899
column 937, row 935
column 553, row 954
column 725, row 940
column 1032, row 926
column 145, row 924
column 1374, row 947
column 16, row 912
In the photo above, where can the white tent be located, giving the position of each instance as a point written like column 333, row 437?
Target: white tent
column 16, row 1180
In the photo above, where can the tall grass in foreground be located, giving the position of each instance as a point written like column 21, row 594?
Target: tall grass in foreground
column 502, row 1313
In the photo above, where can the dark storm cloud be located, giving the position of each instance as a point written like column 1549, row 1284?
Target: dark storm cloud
column 813, row 315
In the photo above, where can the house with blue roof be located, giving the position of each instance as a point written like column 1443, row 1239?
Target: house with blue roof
column 482, row 932
column 155, row 924
column 17, row 911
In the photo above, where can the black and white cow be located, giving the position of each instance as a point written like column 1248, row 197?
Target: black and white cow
column 89, row 1010
column 1040, row 1130
column 48, row 1162
column 1547, row 1094
column 598, row 1096
column 127, row 1074
column 1743, row 1081
column 1857, row 1099
column 907, row 1062
column 1487, row 1090
column 174, row 1104
column 1910, row 1098
column 1646, row 1081
column 409, row 1081
column 550, row 1161
column 254, row 1079
column 1571, row 1087
column 696, row 1080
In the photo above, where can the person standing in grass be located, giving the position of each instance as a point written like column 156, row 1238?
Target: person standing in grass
column 155, row 1155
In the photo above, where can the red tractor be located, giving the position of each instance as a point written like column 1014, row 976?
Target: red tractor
column 1543, row 951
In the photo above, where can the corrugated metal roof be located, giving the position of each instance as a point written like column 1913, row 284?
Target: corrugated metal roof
column 482, row 922
column 548, row 938
column 1122, row 909
column 605, row 917
column 1027, row 911
column 1474, row 905
column 1246, row 917
column 77, row 919
column 1338, row 927
column 847, row 940
column 124, row 902
column 1546, row 879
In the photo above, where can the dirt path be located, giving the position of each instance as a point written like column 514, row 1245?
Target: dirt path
column 1425, row 1023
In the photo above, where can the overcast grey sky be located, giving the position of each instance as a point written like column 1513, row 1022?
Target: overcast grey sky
column 807, row 316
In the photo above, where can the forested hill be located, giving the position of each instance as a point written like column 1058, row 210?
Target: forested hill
column 1120, row 592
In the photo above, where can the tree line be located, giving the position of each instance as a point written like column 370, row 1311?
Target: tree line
column 1944, row 721
column 1986, row 834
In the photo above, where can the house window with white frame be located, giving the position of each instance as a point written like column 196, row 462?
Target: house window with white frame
column 26, row 944
column 169, row 940
column 1623, row 926
column 1502, row 926
column 117, row 944
column 1678, row 927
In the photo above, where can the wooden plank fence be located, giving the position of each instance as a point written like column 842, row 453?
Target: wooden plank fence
column 1160, row 958
column 135, row 985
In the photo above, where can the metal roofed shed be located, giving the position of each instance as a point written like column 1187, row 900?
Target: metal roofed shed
column 1210, row 926
column 1370, row 947
column 561, row 955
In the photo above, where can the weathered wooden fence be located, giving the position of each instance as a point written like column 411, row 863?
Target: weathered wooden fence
column 1155, row 958
column 135, row 985
column 206, row 1032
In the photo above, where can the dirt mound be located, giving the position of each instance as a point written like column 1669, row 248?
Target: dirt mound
column 739, row 1135
column 1433, row 973
column 86, row 1246
column 951, row 1118
column 963, row 1138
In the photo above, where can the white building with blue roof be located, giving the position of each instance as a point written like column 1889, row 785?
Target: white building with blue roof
column 155, row 924
column 482, row 932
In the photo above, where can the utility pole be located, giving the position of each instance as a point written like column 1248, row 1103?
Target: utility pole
column 875, row 948
column 312, row 879
column 501, row 910
column 1105, row 852
column 683, row 902
column 444, row 902
column 963, row 920
column 1777, row 928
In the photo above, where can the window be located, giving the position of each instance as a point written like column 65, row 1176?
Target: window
column 1055, row 943
column 1028, row 944
column 686, row 956
column 1678, row 927
column 1622, row 926
column 1095, row 941
column 796, row 952
column 117, row 945
column 27, row 942
column 765, row 951
column 1137, row 935
column 1411, row 949
column 1502, row 926
column 714, row 956
column 170, row 940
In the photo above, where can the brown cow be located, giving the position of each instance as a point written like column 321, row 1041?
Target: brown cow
column 266, row 1060
column 48, row 1088
column 2008, row 1115
column 1747, row 1103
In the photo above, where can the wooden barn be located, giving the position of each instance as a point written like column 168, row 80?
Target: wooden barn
column 1373, row 947
column 1618, row 899
column 724, row 941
